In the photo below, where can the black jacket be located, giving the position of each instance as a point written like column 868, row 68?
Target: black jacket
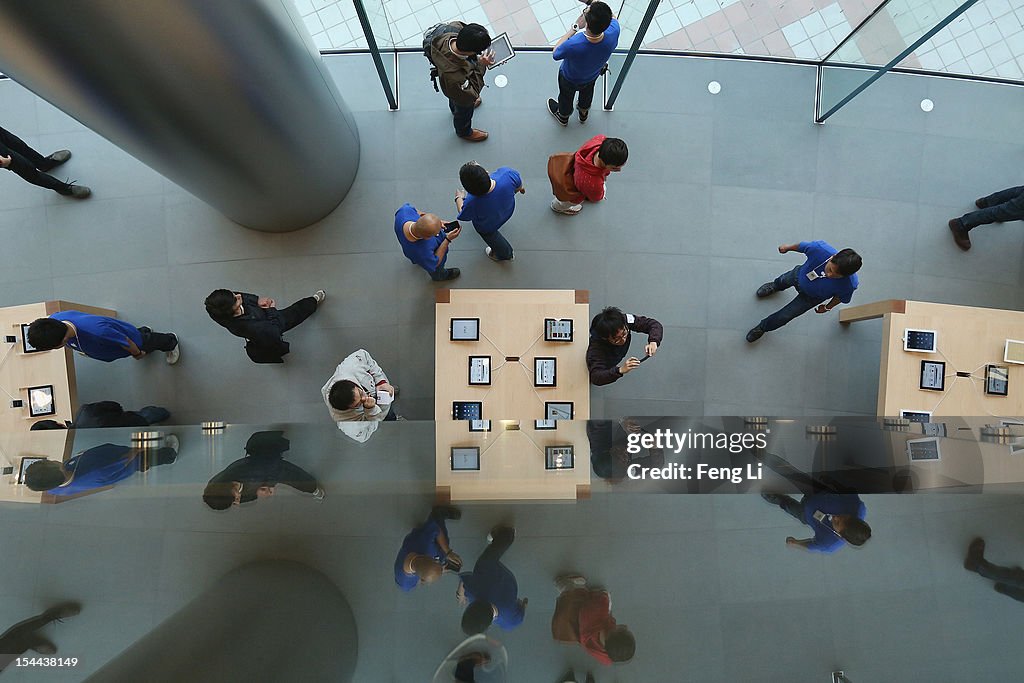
column 264, row 465
column 603, row 358
column 263, row 328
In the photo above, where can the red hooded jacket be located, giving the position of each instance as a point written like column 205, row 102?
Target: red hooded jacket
column 589, row 178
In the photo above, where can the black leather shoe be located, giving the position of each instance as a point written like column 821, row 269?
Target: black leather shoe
column 755, row 334
column 960, row 235
column 980, row 203
column 453, row 273
column 767, row 289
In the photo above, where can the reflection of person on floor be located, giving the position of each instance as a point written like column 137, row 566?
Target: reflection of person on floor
column 258, row 474
column 108, row 414
column 1009, row 580
column 24, row 636
column 584, row 615
column 490, row 590
column 608, row 455
column 570, row 677
column 103, row 465
column 478, row 659
column 425, row 553
column 834, row 518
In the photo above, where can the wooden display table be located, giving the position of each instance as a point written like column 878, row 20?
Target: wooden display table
column 511, row 333
column 968, row 339
column 18, row 372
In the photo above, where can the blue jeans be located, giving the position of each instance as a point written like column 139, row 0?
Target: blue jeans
column 567, row 93
column 500, row 248
column 154, row 414
column 797, row 307
column 463, row 119
column 1005, row 205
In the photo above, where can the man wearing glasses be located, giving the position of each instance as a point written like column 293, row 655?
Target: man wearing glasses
column 609, row 343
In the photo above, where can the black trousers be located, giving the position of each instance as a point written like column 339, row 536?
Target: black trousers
column 157, row 341
column 1005, row 205
column 567, row 93
column 297, row 312
column 28, row 163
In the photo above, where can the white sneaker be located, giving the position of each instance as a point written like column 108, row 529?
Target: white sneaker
column 487, row 250
column 320, row 295
column 571, row 211
column 174, row 354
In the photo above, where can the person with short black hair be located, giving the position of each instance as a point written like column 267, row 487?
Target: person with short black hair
column 490, row 590
column 594, row 161
column 584, row 615
column 97, row 467
column 489, row 205
column 256, row 476
column 425, row 553
column 258, row 320
column 425, row 240
column 359, row 390
column 826, row 275
column 461, row 59
column 100, row 337
column 610, row 337
column 835, row 518
column 1008, row 580
column 583, row 50
column 999, row 207
column 17, row 156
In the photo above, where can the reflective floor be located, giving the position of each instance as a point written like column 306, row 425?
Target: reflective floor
column 705, row 582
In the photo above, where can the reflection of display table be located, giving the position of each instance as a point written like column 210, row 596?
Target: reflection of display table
column 20, row 370
column 513, row 462
column 511, row 331
column 967, row 340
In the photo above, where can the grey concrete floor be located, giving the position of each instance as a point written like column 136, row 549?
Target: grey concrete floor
column 713, row 185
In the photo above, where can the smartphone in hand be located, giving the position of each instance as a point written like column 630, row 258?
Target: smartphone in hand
column 451, row 226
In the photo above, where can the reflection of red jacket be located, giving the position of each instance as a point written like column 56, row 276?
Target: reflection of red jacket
column 589, row 178
column 581, row 615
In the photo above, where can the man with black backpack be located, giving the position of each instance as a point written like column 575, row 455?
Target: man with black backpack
column 460, row 56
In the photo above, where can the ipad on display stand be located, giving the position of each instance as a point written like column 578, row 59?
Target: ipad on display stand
column 920, row 341
column 465, row 329
column 997, row 380
column 933, row 375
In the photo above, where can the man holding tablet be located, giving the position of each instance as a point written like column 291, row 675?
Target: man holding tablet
column 461, row 59
column 609, row 343
column 826, row 275
column 583, row 56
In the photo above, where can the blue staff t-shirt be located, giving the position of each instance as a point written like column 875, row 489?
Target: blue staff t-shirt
column 581, row 59
column 826, row 540
column 100, row 337
column 423, row 541
column 420, row 252
column 97, row 467
column 818, row 253
column 490, row 211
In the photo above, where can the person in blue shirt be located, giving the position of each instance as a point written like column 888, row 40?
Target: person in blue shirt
column 826, row 275
column 97, row 467
column 490, row 590
column 490, row 203
column 425, row 553
column 425, row 239
column 583, row 56
column 100, row 337
column 835, row 519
